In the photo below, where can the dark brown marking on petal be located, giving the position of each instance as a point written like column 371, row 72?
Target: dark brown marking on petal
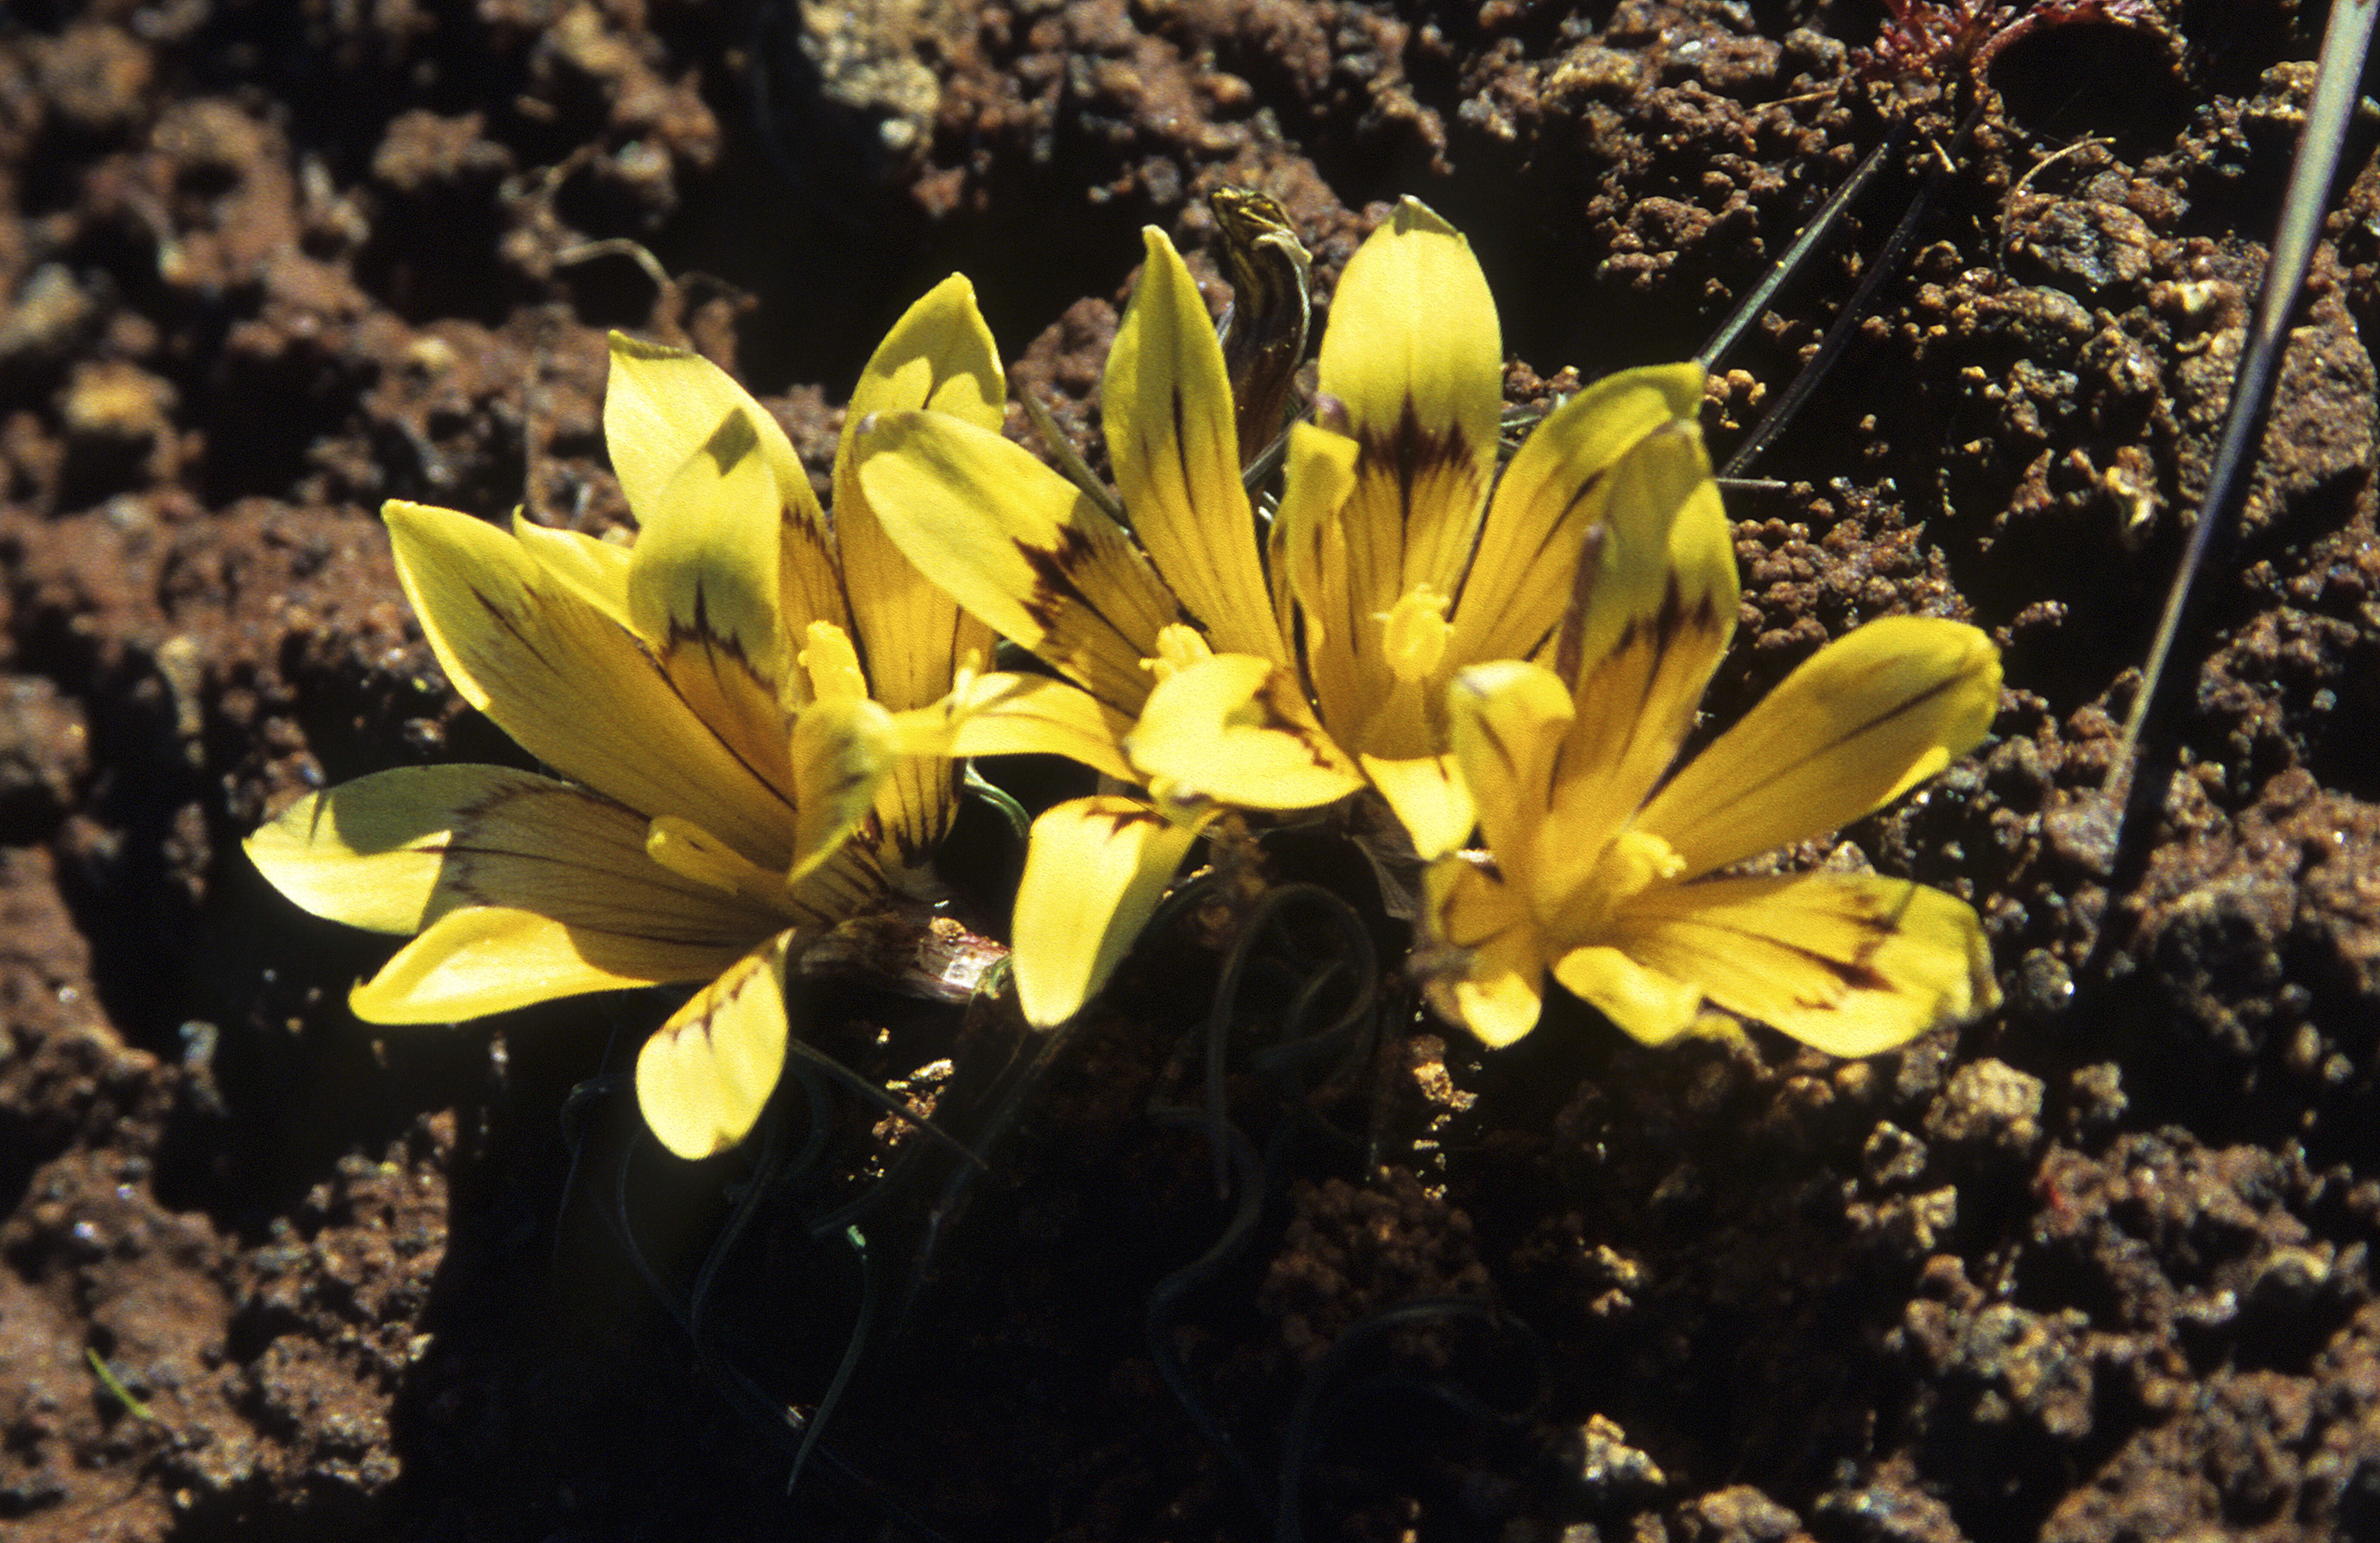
column 698, row 630
column 504, row 617
column 1054, row 589
column 1056, row 593
column 1660, row 633
column 1410, row 451
column 1816, row 751
column 1278, row 707
column 1857, row 973
column 1122, row 819
column 1573, row 626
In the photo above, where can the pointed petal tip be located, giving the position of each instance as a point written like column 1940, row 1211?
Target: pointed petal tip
column 1413, row 215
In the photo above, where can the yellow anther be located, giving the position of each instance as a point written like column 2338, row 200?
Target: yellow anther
column 1634, row 860
column 1178, row 648
column 1414, row 637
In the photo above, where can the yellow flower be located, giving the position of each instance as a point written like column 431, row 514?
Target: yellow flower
column 707, row 693
column 1215, row 674
column 1598, row 871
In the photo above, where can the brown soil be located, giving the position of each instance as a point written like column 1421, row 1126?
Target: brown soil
column 2095, row 1269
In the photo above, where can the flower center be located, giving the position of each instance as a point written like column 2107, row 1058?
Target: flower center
column 1633, row 862
column 1178, row 648
column 1415, row 636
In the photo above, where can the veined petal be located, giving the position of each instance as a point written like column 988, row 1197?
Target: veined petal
column 1166, row 405
column 1489, row 967
column 703, row 586
column 1429, row 798
column 1658, row 607
column 704, row 1075
column 597, row 572
column 368, row 853
column 850, row 882
column 1235, row 729
column 1019, row 546
column 1850, row 963
column 1016, row 715
column 659, row 408
column 913, row 636
column 1521, row 578
column 575, row 690
column 841, row 748
column 398, row 849
column 485, row 959
column 1509, row 720
column 1093, row 875
column 1414, row 351
column 1859, row 723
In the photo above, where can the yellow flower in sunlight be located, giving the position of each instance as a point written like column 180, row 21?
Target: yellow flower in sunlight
column 1601, row 873
column 1219, row 671
column 734, row 785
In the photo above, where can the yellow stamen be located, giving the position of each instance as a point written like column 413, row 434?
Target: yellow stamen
column 833, row 663
column 1178, row 648
column 1416, row 633
column 1633, row 862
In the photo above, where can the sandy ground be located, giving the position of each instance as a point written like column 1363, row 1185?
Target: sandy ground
column 2095, row 1268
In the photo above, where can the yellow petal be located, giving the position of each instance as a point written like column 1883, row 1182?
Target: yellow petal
column 842, row 748
column 1646, row 1002
column 1509, row 720
column 703, row 586
column 398, row 849
column 1166, row 406
column 1659, row 606
column 1484, row 964
column 695, row 854
column 911, row 633
column 1429, row 798
column 1309, row 554
column 1862, row 721
column 940, row 355
column 368, row 853
column 577, row 690
column 1016, row 715
column 1520, row 582
column 704, row 1077
column 485, row 959
column 1414, row 351
column 851, row 882
column 1850, row 964
column 661, row 403
column 597, row 572
column 660, row 408
column 1093, row 876
column 1019, row 546
column 1235, row 729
